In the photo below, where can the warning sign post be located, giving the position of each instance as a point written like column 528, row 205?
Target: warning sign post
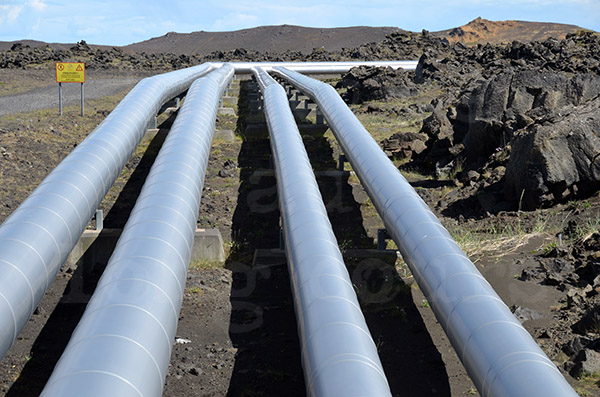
column 70, row 72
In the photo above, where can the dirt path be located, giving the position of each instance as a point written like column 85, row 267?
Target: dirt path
column 47, row 97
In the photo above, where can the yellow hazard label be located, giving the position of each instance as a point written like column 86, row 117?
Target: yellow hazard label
column 70, row 72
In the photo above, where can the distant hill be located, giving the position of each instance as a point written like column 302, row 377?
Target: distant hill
column 265, row 39
column 7, row 45
column 495, row 32
column 277, row 39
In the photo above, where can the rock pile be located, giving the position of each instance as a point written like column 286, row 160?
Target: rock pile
column 537, row 101
column 399, row 45
column 368, row 83
column 396, row 46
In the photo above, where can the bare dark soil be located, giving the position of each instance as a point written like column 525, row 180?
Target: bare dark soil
column 237, row 331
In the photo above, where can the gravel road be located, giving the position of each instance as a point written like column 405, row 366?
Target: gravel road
column 47, row 97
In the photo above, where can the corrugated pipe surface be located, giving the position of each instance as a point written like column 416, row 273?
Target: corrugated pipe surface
column 338, row 354
column 39, row 235
column 123, row 342
column 499, row 354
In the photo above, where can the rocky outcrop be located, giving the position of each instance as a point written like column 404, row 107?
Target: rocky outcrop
column 458, row 65
column 445, row 136
column 557, row 158
column 371, row 83
column 516, row 97
column 511, row 101
column 404, row 145
column 399, row 45
column 482, row 30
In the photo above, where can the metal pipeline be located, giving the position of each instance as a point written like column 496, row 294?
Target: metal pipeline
column 499, row 354
column 123, row 342
column 39, row 235
column 319, row 67
column 338, row 354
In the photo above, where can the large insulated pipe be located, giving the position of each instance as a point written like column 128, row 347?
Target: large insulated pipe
column 122, row 344
column 338, row 354
column 320, row 67
column 498, row 353
column 39, row 235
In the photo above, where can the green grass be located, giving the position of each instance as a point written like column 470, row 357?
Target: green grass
column 195, row 290
column 205, row 265
column 384, row 123
column 497, row 235
column 589, row 384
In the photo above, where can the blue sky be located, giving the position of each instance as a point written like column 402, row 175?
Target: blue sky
column 121, row 22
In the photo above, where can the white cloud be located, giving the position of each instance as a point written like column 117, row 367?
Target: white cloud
column 38, row 5
column 9, row 13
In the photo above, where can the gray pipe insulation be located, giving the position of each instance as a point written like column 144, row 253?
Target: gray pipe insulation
column 498, row 353
column 338, row 354
column 39, row 235
column 123, row 342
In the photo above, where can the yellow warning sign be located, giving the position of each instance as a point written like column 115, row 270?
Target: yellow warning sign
column 70, row 72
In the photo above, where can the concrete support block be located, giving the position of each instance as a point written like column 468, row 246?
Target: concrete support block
column 229, row 101
column 95, row 247
column 208, row 246
column 227, row 111
column 304, row 114
column 225, row 135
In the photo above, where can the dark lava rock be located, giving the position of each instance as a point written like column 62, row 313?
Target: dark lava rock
column 82, row 46
column 400, row 45
column 589, row 323
column 404, row 145
column 228, row 169
column 556, row 159
column 577, row 344
column 586, row 362
column 445, row 136
column 557, row 271
column 370, row 83
column 508, row 102
column 19, row 47
column 523, row 314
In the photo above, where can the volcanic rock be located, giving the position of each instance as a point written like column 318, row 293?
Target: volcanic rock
column 371, row 83
column 586, row 362
column 404, row 145
column 557, row 158
column 506, row 103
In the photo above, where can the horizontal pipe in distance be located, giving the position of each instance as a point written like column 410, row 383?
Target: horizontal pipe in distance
column 319, row 67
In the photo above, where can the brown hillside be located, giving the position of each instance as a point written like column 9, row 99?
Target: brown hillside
column 495, row 32
column 264, row 39
column 278, row 39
